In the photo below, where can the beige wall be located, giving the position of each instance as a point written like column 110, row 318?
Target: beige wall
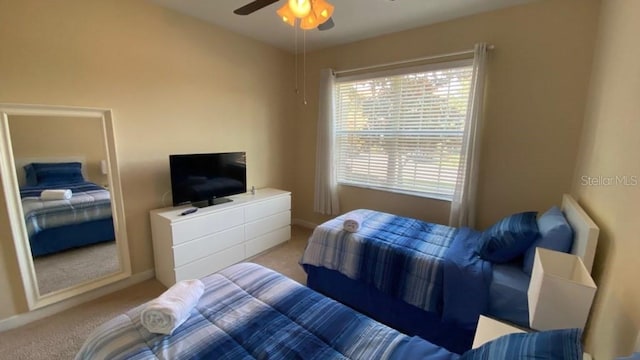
column 175, row 85
column 178, row 85
column 609, row 149
column 535, row 99
column 59, row 137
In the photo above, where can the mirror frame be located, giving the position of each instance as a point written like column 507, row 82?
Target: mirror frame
column 14, row 204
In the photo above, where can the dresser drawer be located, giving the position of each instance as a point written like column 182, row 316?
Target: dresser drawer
column 211, row 263
column 207, row 224
column 268, row 224
column 206, row 245
column 267, row 241
column 266, row 208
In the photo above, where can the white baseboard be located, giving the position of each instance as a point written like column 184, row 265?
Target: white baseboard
column 25, row 318
column 304, row 223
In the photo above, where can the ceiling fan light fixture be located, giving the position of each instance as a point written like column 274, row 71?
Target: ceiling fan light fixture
column 323, row 10
column 311, row 13
column 300, row 8
column 310, row 21
column 287, row 15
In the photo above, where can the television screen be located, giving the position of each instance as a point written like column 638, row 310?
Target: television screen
column 196, row 178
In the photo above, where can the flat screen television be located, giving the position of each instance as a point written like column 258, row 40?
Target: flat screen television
column 205, row 179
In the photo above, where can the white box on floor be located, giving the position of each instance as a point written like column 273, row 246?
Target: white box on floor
column 560, row 292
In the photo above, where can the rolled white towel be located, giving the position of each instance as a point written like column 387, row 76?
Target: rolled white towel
column 165, row 313
column 56, row 194
column 352, row 222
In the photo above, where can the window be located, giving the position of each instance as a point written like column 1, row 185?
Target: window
column 402, row 130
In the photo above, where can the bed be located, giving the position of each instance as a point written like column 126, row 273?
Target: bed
column 62, row 224
column 250, row 312
column 426, row 279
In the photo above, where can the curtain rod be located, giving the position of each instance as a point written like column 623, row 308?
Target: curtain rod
column 404, row 62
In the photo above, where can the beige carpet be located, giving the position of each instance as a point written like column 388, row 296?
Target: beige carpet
column 60, row 336
column 284, row 258
column 73, row 267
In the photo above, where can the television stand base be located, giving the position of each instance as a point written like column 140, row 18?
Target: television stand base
column 211, row 202
column 218, row 201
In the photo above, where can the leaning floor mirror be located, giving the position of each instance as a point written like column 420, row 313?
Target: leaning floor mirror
column 63, row 198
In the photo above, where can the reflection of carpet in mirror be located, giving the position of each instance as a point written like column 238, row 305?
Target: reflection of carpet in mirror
column 72, row 267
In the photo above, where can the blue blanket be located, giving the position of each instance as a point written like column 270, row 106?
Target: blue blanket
column 466, row 279
column 89, row 202
column 427, row 265
column 250, row 312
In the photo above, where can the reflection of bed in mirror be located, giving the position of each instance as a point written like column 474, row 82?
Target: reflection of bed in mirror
column 59, row 224
column 72, row 268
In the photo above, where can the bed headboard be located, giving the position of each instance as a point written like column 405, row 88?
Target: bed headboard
column 21, row 162
column 585, row 238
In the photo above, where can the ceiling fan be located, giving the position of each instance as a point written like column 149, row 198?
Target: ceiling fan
column 302, row 9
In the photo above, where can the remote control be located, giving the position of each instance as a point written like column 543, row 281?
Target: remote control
column 189, row 211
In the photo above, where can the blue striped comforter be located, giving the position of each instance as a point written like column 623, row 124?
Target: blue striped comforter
column 250, row 312
column 89, row 202
column 403, row 257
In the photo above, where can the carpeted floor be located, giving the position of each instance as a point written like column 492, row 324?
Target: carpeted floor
column 61, row 335
column 73, row 267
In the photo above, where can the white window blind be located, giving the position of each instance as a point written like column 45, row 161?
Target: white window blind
column 402, row 130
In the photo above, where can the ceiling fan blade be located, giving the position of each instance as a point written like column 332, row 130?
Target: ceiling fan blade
column 329, row 24
column 253, row 6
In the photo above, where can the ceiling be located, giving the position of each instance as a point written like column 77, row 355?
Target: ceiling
column 355, row 19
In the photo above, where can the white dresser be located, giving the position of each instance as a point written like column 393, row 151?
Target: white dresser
column 194, row 245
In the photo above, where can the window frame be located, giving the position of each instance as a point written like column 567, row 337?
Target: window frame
column 466, row 62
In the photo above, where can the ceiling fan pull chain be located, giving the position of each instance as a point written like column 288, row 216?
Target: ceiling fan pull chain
column 295, row 54
column 304, row 66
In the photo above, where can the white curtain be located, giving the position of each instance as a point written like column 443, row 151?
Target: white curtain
column 464, row 197
column 326, row 189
